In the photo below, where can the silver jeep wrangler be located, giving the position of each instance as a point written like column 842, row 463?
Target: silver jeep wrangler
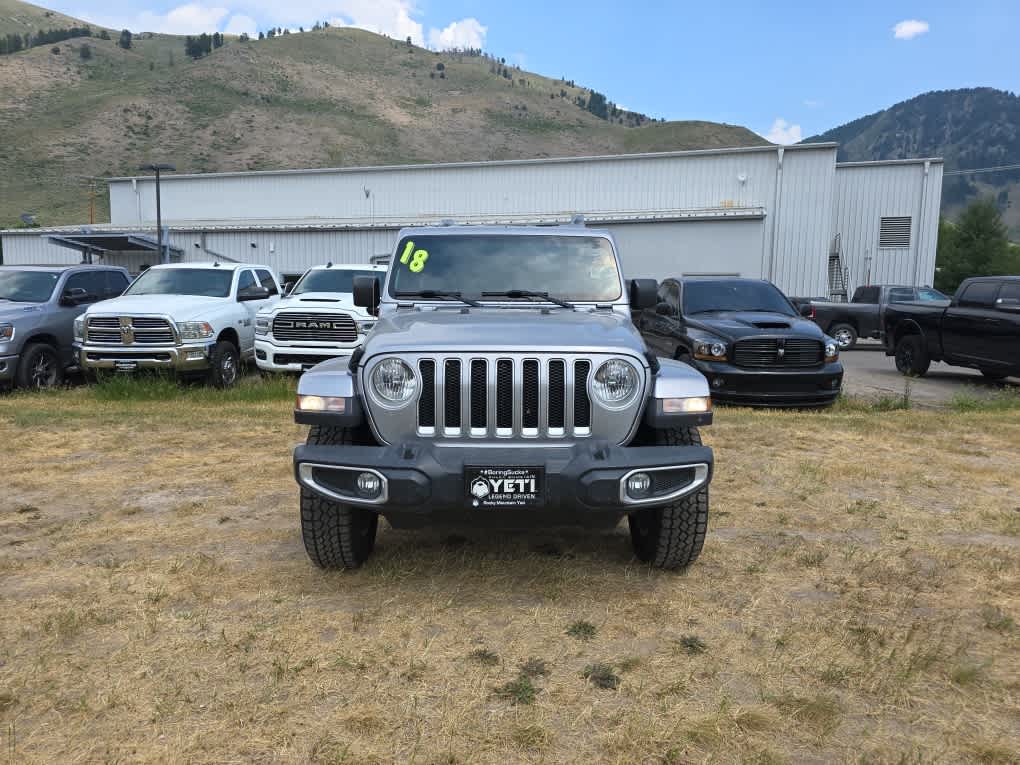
column 504, row 385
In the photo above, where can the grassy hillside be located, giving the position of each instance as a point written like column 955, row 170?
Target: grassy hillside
column 336, row 97
column 18, row 18
column 970, row 128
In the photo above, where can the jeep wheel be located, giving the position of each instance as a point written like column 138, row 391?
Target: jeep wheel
column 672, row 536
column 335, row 535
column 844, row 335
column 912, row 357
column 40, row 367
column 224, row 365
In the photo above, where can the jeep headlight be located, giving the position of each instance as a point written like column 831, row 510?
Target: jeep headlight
column 710, row 350
column 261, row 325
column 831, row 350
column 6, row 333
column 79, row 328
column 393, row 382
column 195, row 330
column 615, row 383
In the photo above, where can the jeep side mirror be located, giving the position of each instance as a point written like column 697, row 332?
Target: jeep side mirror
column 366, row 293
column 73, row 296
column 664, row 309
column 644, row 293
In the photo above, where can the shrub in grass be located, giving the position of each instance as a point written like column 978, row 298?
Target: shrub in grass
column 601, row 676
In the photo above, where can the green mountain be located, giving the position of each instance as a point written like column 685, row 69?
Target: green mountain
column 324, row 98
column 971, row 128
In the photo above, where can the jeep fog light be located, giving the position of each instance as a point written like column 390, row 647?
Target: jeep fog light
column 369, row 485
column 686, row 405
column 638, row 485
column 333, row 404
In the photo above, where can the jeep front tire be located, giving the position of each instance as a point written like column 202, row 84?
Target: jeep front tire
column 335, row 535
column 672, row 536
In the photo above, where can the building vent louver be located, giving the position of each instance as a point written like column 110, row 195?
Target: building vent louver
column 894, row 232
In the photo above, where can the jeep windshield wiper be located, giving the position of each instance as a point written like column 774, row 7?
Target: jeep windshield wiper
column 513, row 294
column 438, row 295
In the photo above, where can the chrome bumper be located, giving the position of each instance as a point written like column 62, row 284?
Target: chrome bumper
column 184, row 358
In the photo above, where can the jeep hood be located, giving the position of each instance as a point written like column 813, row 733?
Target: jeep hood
column 178, row 307
column 510, row 330
column 738, row 325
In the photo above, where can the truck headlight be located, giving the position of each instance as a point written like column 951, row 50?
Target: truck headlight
column 6, row 333
column 393, row 382
column 712, row 350
column 79, row 328
column 364, row 327
column 615, row 383
column 195, row 330
column 261, row 325
column 831, row 350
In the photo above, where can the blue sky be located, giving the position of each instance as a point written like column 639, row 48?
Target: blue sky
column 788, row 70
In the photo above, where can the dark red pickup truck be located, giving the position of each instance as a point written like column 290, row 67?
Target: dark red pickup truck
column 978, row 328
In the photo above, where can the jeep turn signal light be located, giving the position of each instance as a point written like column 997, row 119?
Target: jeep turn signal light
column 333, row 404
column 686, row 405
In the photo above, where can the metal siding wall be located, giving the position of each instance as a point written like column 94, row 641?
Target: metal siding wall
column 866, row 194
column 33, row 249
column 627, row 185
column 804, row 223
column 661, row 250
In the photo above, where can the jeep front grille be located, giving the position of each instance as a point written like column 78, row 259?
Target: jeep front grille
column 317, row 327
column 503, row 397
column 128, row 330
column 790, row 352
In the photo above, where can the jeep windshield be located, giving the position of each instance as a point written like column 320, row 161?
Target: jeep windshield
column 570, row 268
column 203, row 282
column 734, row 295
column 27, row 286
column 330, row 280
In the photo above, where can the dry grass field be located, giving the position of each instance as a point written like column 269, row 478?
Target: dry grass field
column 857, row 601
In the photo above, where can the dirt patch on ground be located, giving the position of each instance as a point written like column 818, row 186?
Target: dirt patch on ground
column 158, row 606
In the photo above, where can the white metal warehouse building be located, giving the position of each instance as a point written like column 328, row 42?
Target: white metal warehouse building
column 790, row 214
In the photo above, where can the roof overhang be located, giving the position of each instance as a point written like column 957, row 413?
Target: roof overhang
column 110, row 241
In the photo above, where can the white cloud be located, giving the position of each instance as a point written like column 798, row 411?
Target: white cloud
column 466, row 33
column 191, row 18
column 909, row 29
column 241, row 24
column 385, row 17
column 783, row 132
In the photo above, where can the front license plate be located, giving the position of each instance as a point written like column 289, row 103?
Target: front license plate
column 126, row 366
column 504, row 486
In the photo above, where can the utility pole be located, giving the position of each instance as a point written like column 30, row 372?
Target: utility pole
column 157, row 168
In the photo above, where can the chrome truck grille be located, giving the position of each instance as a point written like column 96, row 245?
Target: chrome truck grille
column 498, row 397
column 317, row 327
column 128, row 330
column 772, row 352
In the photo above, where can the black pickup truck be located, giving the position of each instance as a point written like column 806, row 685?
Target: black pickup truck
column 863, row 315
column 978, row 328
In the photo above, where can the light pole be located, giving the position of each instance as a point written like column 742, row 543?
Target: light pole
column 159, row 217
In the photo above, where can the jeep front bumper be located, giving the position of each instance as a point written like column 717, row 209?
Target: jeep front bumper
column 582, row 480
column 179, row 358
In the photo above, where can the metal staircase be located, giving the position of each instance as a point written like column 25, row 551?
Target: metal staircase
column 838, row 273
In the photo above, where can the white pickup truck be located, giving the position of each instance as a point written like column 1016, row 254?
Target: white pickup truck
column 316, row 320
column 192, row 318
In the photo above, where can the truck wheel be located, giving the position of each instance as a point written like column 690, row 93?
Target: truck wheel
column 672, row 536
column 844, row 335
column 335, row 535
column 224, row 365
column 911, row 355
column 40, row 367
